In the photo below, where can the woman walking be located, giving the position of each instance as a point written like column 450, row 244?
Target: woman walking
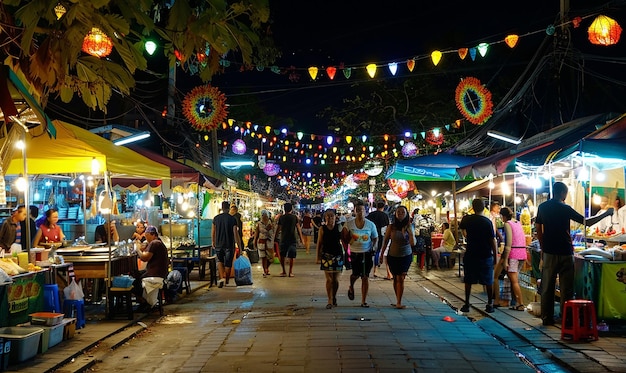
column 330, row 256
column 514, row 254
column 263, row 234
column 400, row 255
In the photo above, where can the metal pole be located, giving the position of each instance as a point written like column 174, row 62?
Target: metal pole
column 26, row 238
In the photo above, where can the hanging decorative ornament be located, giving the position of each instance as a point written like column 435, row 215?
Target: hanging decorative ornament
column 348, row 139
column 410, row 64
column 331, row 71
column 59, row 10
column 436, row 57
column 482, row 49
column 239, row 147
column 401, row 187
column 604, row 31
column 550, row 30
column 434, row 137
column 472, row 53
column 347, row 72
column 205, row 107
column 576, row 21
column 271, row 169
column 97, row 43
column 393, row 67
column 463, row 53
column 373, row 167
column 511, row 40
column 371, row 70
column 179, row 55
column 473, row 100
column 409, row 149
column 313, row 72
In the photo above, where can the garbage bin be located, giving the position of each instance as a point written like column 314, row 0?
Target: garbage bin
column 5, row 348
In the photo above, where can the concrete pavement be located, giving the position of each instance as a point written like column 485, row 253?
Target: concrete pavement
column 282, row 325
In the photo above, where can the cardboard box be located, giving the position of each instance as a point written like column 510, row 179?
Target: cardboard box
column 69, row 327
column 24, row 342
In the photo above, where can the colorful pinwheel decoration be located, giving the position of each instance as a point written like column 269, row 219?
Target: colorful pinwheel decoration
column 205, row 107
column 474, row 100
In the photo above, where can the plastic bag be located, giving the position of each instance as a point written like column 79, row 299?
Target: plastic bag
column 151, row 286
column 243, row 271
column 74, row 291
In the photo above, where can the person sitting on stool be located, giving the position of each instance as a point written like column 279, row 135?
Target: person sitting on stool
column 155, row 254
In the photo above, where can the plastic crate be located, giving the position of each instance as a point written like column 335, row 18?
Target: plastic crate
column 24, row 342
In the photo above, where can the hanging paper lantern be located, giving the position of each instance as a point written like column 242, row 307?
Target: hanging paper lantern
column 436, row 57
column 330, row 71
column 434, row 137
column 371, row 69
column 472, row 53
column 511, row 40
column 392, row 197
column 550, row 30
column 401, row 187
column 604, row 31
column 150, row 47
column 348, row 139
column 347, row 72
column 59, row 10
column 205, row 107
column 97, row 43
column 373, row 167
column 462, row 53
column 410, row 64
column 409, row 149
column 393, row 68
column 179, row 55
column 271, row 169
column 576, row 21
column 239, row 147
column 313, row 72
column 482, row 49
column 473, row 100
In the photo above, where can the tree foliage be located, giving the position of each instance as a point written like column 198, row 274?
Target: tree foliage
column 48, row 50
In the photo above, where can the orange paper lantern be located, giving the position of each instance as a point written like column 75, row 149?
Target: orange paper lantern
column 604, row 31
column 463, row 53
column 97, row 43
column 511, row 40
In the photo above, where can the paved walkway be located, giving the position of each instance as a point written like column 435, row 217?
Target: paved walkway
column 282, row 325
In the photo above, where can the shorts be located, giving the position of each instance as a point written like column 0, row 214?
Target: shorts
column 331, row 262
column 361, row 263
column 515, row 265
column 478, row 271
column 225, row 256
column 399, row 265
column 266, row 251
column 288, row 250
column 307, row 231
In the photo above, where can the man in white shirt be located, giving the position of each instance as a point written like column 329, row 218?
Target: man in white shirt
column 604, row 224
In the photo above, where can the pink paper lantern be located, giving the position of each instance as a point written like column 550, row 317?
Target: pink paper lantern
column 271, row 169
column 239, row 147
column 409, row 149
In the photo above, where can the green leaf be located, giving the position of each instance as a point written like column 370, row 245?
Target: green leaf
column 66, row 94
column 180, row 13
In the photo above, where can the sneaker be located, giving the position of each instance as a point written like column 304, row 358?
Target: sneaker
column 465, row 308
column 220, row 283
column 489, row 308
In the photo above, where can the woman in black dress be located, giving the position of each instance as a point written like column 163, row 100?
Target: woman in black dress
column 330, row 255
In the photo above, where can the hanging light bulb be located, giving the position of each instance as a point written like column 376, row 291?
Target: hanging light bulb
column 371, row 69
column 436, row 57
column 482, row 49
column 393, row 68
column 511, row 40
column 331, row 71
column 313, row 72
column 95, row 166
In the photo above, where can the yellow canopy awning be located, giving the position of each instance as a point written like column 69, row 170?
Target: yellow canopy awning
column 73, row 151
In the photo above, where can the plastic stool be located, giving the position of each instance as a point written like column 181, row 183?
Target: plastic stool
column 579, row 321
column 75, row 308
column 121, row 302
column 185, row 284
column 51, row 302
column 446, row 258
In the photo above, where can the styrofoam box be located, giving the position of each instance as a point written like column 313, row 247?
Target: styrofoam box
column 24, row 342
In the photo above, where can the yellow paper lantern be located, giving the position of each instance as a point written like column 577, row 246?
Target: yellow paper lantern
column 313, row 72
column 348, row 139
column 511, row 40
column 436, row 57
column 604, row 31
column 59, row 10
column 463, row 53
column 371, row 69
column 97, row 43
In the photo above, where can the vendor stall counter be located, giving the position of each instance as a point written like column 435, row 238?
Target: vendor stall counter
column 603, row 282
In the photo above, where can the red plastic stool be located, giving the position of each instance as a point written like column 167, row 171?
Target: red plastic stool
column 579, row 321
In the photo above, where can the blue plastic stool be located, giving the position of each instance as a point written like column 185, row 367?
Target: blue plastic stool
column 51, row 301
column 185, row 284
column 75, row 308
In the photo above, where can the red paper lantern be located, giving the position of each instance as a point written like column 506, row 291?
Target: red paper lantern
column 97, row 43
column 604, row 31
column 330, row 71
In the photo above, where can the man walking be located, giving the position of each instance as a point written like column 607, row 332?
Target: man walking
column 224, row 235
column 553, row 232
column 380, row 218
column 287, row 228
column 480, row 253
column 362, row 237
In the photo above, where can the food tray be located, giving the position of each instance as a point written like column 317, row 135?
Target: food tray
column 46, row 318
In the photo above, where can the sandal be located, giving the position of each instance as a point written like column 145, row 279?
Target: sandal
column 335, row 302
column 329, row 306
column 519, row 307
column 365, row 305
column 351, row 293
